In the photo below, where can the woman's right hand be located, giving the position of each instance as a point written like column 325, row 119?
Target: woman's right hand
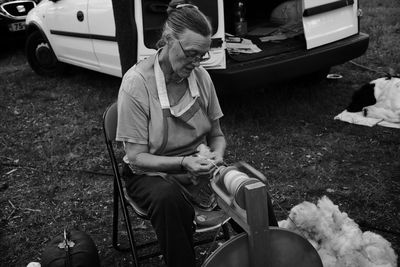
column 198, row 166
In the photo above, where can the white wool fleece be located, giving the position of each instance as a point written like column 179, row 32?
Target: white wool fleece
column 337, row 238
column 387, row 95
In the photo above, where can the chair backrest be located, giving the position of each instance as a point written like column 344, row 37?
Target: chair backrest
column 110, row 119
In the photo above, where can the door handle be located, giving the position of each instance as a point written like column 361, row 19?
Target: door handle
column 80, row 16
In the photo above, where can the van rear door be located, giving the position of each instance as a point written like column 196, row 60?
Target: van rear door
column 150, row 16
column 214, row 10
column 326, row 21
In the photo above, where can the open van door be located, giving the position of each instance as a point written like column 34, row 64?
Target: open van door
column 326, row 21
column 150, row 16
column 214, row 10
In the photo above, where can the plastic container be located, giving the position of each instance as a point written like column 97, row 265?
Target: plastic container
column 240, row 18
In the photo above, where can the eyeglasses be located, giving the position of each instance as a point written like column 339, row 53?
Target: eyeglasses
column 193, row 56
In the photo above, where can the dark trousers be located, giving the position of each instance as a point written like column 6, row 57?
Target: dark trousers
column 170, row 214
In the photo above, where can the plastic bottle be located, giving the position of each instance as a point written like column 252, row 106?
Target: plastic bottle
column 240, row 18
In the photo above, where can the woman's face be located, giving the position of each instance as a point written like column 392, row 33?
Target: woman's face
column 184, row 54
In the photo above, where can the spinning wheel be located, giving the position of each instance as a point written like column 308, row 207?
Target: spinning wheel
column 244, row 199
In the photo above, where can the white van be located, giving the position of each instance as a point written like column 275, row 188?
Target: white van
column 293, row 38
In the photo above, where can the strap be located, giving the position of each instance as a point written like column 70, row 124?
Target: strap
column 166, row 114
column 162, row 88
column 190, row 112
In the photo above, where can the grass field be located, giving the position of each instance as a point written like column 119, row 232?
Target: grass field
column 55, row 171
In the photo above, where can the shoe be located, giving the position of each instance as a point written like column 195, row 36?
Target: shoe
column 209, row 220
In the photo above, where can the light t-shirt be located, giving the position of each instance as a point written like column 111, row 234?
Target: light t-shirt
column 140, row 117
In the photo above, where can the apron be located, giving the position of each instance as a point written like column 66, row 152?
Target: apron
column 185, row 129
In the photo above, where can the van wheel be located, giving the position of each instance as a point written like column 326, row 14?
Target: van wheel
column 40, row 56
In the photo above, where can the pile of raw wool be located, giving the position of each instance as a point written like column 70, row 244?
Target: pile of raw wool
column 337, row 238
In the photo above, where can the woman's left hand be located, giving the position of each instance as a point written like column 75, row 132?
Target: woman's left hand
column 212, row 156
column 198, row 166
column 216, row 158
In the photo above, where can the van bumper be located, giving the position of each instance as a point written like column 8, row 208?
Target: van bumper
column 259, row 72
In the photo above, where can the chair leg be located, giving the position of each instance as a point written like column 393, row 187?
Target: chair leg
column 115, row 219
column 116, row 245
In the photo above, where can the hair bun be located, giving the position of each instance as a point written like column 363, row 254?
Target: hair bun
column 174, row 3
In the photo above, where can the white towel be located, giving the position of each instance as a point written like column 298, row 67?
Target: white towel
column 358, row 118
column 389, row 124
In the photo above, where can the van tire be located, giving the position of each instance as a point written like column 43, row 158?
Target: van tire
column 40, row 55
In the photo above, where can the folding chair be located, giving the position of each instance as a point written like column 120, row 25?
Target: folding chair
column 120, row 197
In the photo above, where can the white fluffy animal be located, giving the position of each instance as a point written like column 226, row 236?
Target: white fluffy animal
column 337, row 238
column 378, row 99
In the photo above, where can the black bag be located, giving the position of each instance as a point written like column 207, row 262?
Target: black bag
column 71, row 249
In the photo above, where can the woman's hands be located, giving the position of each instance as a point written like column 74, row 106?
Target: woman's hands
column 198, row 166
column 216, row 158
column 206, row 153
